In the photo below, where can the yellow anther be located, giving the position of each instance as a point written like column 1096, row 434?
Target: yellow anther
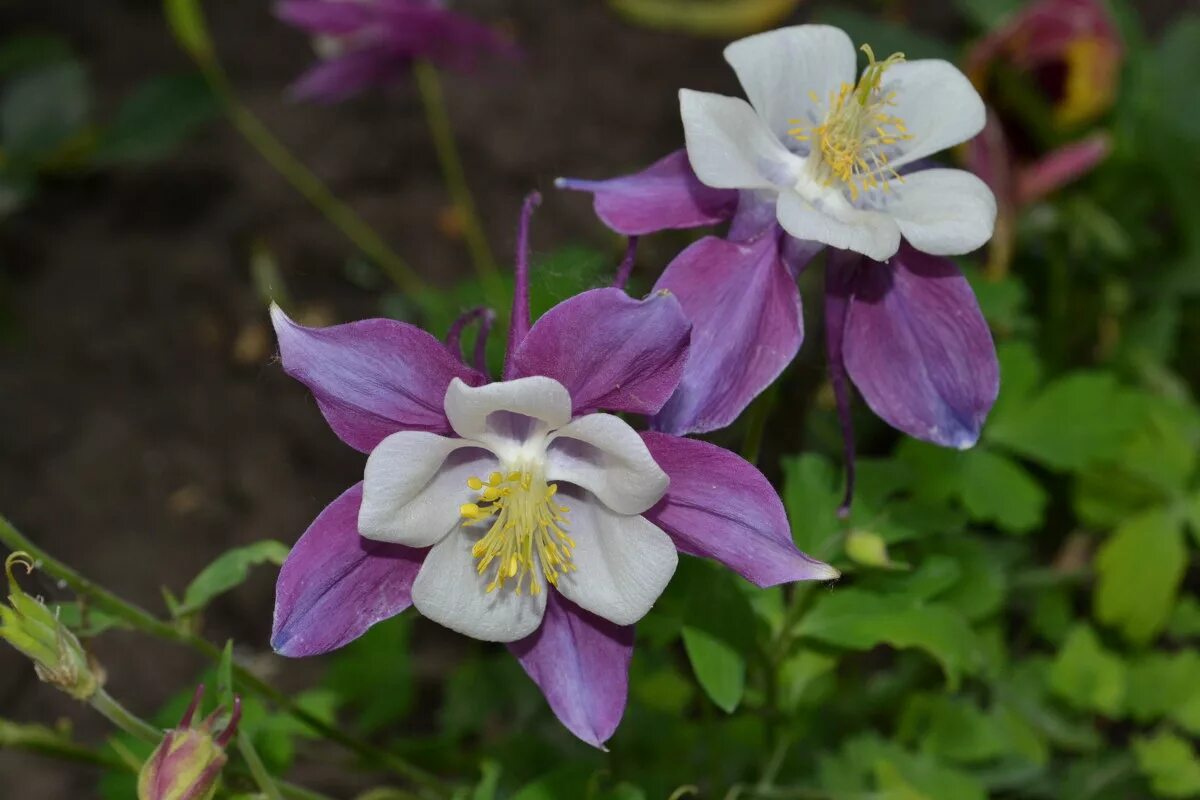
column 474, row 484
column 495, row 479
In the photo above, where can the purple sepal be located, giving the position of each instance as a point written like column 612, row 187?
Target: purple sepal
column 581, row 664
column 344, row 76
column 609, row 350
column 373, row 377
column 720, row 506
column 665, row 195
column 747, row 325
column 335, row 584
column 917, row 346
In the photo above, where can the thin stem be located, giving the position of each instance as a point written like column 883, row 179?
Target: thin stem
column 442, row 133
column 65, row 750
column 243, row 679
column 125, row 719
column 257, row 769
column 626, row 267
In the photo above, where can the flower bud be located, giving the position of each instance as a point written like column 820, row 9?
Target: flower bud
column 58, row 657
column 188, row 762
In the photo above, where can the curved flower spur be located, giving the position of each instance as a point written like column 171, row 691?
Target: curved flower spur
column 818, row 158
column 517, row 511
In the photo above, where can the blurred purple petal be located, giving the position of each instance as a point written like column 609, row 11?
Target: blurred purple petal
column 336, row 584
column 720, row 506
column 610, row 350
column 323, row 17
column 373, row 377
column 581, row 664
column 744, row 308
column 917, row 347
column 665, row 195
column 1060, row 167
column 344, row 76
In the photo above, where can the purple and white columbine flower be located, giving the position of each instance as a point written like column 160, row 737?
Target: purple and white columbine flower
column 364, row 43
column 517, row 511
column 817, row 159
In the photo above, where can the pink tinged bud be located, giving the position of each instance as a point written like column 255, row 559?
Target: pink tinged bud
column 188, row 762
column 1062, row 166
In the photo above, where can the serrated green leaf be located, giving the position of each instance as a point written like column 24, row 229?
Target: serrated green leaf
column 860, row 620
column 228, row 571
column 1139, row 570
column 995, row 488
column 1170, row 763
column 156, row 119
column 1087, row 676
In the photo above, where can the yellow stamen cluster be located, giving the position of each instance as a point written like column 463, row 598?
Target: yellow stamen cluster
column 849, row 142
column 527, row 529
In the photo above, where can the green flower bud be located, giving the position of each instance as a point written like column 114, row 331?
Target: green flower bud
column 58, row 657
column 188, row 762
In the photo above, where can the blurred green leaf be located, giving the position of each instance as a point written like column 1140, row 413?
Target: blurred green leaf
column 156, row 119
column 995, row 488
column 860, row 620
column 26, row 52
column 41, row 109
column 952, row 729
column 718, row 633
column 1100, row 412
column 228, row 571
column 866, row 763
column 1139, row 571
column 811, row 496
column 1170, row 763
column 489, row 781
column 373, row 675
column 1166, row 685
column 722, row 18
column 1185, row 619
column 988, row 14
column 1178, row 61
column 569, row 780
column 885, row 37
column 1087, row 676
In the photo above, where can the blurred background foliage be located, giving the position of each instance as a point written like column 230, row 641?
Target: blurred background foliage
column 1017, row 620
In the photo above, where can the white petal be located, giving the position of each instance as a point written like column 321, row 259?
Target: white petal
column 413, row 485
column 729, row 147
column 601, row 453
column 781, row 70
column 945, row 212
column 449, row 591
column 834, row 222
column 623, row 563
column 937, row 104
column 501, row 414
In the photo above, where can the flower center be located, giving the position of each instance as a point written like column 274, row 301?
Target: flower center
column 850, row 142
column 527, row 529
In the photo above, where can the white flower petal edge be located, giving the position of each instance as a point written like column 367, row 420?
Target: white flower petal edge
column 410, row 484
column 872, row 233
column 938, row 104
column 779, row 68
column 450, row 591
column 601, row 453
column 945, row 212
column 484, row 413
column 730, row 147
column 624, row 562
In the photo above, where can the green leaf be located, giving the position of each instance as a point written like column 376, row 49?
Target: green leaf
column 86, row 621
column 1101, row 414
column 1165, row 685
column 952, row 729
column 860, row 620
column 228, row 571
column 43, row 108
column 995, row 488
column 489, row 781
column 1185, row 619
column 1087, row 676
column 186, row 19
column 718, row 632
column 570, row 780
column 1170, row 763
column 1179, row 57
column 722, row 18
column 1139, row 572
column 868, row 763
column 811, row 496
column 988, row 14
column 22, row 53
column 373, row 675
column 157, row 118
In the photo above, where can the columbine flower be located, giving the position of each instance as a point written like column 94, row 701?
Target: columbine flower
column 370, row 42
column 907, row 330
column 58, row 657
column 1067, row 52
column 518, row 511
column 187, row 764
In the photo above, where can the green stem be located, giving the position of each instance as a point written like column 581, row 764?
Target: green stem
column 442, row 133
column 257, row 769
column 125, row 719
column 64, row 750
column 244, row 680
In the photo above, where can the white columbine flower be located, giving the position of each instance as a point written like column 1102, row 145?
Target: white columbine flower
column 831, row 151
column 524, row 500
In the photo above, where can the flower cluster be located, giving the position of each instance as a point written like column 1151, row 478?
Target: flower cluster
column 525, row 511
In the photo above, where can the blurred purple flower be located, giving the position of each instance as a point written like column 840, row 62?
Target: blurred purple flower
column 514, row 511
column 187, row 764
column 365, row 43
